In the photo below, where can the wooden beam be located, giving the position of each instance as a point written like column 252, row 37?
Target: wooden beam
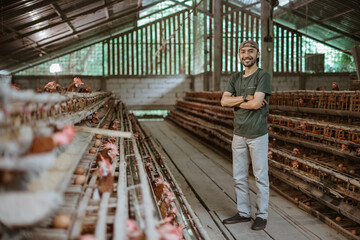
column 106, row 132
column 291, row 6
column 320, row 23
column 226, row 33
column 217, row 59
column 327, row 19
column 189, row 43
column 169, row 45
column 118, row 55
column 179, row 45
column 64, row 18
column 192, row 7
column 51, row 16
column 267, row 36
column 114, row 17
column 19, row 37
column 25, row 9
column 237, row 9
column 123, row 55
column 206, row 51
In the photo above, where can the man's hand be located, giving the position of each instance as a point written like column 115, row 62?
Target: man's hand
column 255, row 102
column 263, row 103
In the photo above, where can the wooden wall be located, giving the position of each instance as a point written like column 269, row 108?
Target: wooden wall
column 162, row 47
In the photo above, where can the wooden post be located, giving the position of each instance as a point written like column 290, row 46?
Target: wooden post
column 267, row 36
column 196, row 44
column 355, row 84
column 355, row 51
column 206, row 50
column 217, row 57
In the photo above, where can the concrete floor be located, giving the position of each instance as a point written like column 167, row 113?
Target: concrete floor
column 205, row 177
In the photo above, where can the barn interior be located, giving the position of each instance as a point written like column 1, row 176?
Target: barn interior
column 112, row 126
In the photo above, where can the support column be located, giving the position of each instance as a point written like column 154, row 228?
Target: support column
column 267, row 36
column 217, row 58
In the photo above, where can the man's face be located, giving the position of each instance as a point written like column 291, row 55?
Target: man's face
column 248, row 56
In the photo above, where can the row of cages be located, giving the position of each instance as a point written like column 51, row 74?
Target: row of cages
column 336, row 131
column 334, row 100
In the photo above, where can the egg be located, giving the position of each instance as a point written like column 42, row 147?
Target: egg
column 99, row 136
column 338, row 219
column 61, row 221
column 354, row 231
column 80, row 180
column 92, row 150
column 79, row 170
column 296, row 199
column 307, row 203
column 97, row 143
column 340, row 165
column 352, row 171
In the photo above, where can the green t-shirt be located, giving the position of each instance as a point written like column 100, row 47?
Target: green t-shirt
column 250, row 123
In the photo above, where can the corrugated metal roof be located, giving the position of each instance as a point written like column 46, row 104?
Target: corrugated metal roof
column 333, row 22
column 31, row 31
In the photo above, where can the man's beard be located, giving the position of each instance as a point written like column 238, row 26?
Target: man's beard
column 249, row 63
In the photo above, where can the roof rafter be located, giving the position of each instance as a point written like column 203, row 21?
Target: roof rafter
column 96, row 37
column 93, row 10
column 64, row 18
column 91, row 28
column 86, row 42
column 36, row 47
column 328, row 18
column 10, row 13
column 54, row 15
column 244, row 7
column 107, row 12
column 334, row 29
column 191, row 7
column 290, row 6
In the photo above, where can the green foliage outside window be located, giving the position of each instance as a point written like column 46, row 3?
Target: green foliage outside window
column 335, row 60
column 86, row 61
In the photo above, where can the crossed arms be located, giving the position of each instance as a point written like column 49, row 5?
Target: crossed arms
column 255, row 102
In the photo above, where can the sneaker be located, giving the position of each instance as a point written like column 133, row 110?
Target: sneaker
column 236, row 219
column 259, row 224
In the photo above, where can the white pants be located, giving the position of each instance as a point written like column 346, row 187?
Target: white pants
column 243, row 150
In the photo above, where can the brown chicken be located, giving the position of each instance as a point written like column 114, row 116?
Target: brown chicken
column 159, row 186
column 109, row 152
column 95, row 117
column 47, row 144
column 15, row 86
column 106, row 182
column 296, row 152
column 60, row 89
column 133, row 232
column 50, row 87
column 335, row 86
column 115, row 124
column 87, row 89
column 75, row 86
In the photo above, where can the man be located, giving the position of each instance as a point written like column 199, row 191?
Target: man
column 248, row 94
